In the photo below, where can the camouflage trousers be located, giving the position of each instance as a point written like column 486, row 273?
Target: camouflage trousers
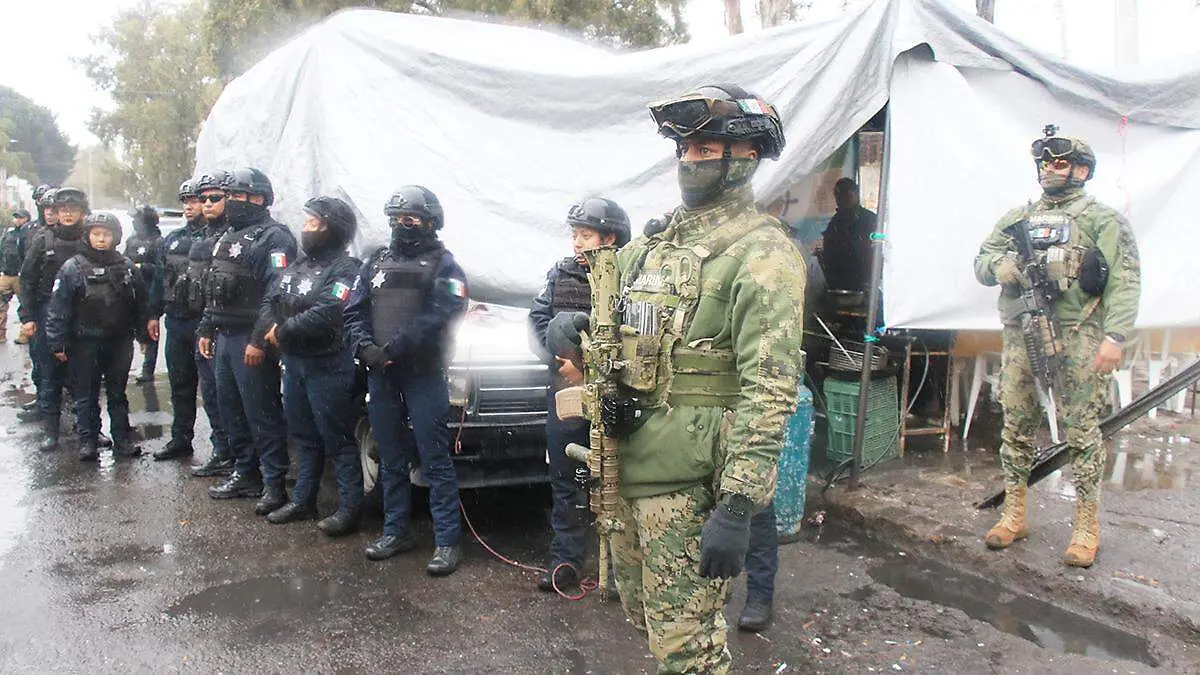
column 1079, row 405
column 656, row 562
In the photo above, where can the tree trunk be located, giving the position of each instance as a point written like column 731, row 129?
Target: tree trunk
column 733, row 16
column 986, row 9
column 774, row 12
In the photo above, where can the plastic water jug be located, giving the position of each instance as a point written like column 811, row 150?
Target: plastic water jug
column 793, row 468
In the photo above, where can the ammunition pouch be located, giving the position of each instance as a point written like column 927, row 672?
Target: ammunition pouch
column 641, row 356
column 1093, row 272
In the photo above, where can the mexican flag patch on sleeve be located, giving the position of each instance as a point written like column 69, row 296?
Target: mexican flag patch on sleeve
column 279, row 260
column 340, row 291
column 458, row 287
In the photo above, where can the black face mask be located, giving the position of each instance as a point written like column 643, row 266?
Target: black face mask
column 68, row 231
column 239, row 214
column 409, row 237
column 314, row 243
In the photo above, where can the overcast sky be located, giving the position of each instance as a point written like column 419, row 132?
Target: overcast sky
column 1167, row 30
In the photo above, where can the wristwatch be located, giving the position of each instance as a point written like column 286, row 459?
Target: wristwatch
column 738, row 505
column 1116, row 337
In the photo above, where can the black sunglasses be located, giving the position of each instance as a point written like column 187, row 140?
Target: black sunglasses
column 211, row 199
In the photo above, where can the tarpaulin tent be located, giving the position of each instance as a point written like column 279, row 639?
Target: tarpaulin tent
column 510, row 125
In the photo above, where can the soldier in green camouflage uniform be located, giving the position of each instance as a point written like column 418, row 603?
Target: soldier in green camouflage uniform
column 712, row 314
column 1091, row 253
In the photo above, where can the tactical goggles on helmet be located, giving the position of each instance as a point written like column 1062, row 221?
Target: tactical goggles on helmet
column 1053, row 146
column 685, row 116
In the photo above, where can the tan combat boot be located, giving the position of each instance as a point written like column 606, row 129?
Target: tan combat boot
column 1012, row 525
column 1086, row 538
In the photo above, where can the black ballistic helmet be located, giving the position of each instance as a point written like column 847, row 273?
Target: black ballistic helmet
column 337, row 216
column 251, row 181
column 145, row 215
column 724, row 112
column 416, row 201
column 210, row 181
column 70, row 195
column 187, row 189
column 602, row 215
column 41, row 191
column 105, row 220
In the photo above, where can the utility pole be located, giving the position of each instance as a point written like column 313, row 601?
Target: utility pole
column 733, row 16
column 1060, row 15
column 986, row 9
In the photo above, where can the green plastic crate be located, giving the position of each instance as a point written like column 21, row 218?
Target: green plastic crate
column 881, row 435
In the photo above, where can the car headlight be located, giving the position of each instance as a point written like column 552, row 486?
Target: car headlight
column 460, row 390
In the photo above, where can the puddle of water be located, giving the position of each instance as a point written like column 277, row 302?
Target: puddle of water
column 295, row 596
column 1046, row 625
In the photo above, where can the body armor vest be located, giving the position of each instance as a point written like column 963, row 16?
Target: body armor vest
column 300, row 290
column 10, row 251
column 175, row 269
column 140, row 252
column 200, row 254
column 399, row 287
column 657, row 306
column 58, row 252
column 106, row 307
column 232, row 287
column 1057, row 242
column 570, row 292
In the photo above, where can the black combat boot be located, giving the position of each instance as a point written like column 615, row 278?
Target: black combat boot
column 215, row 466
column 445, row 560
column 88, row 451
column 564, row 576
column 756, row 615
column 291, row 512
column 273, row 497
column 389, row 545
column 124, row 448
column 49, row 442
column 175, row 448
column 30, row 412
column 237, row 486
column 343, row 521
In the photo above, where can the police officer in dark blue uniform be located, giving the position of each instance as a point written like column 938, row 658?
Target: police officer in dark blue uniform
column 168, row 295
column 49, row 250
column 404, row 302
column 594, row 222
column 248, row 260
column 306, row 312
column 145, row 250
column 97, row 306
column 189, row 292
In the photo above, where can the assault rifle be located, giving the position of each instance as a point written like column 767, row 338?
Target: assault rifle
column 1039, row 326
column 598, row 401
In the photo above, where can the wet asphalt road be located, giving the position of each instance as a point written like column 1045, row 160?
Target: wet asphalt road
column 129, row 566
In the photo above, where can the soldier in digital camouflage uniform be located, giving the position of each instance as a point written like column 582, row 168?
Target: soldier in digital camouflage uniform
column 715, row 305
column 1092, row 255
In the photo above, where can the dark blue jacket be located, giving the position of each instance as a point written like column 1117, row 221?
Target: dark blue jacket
column 69, row 286
column 316, row 323
column 422, row 341
column 268, row 257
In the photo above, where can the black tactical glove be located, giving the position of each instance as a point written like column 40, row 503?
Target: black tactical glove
column 562, row 335
column 373, row 356
column 725, row 538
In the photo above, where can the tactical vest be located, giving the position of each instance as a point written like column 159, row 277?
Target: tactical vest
column 398, row 289
column 1057, row 241
column 10, row 252
column 175, row 269
column 570, row 293
column 200, row 254
column 107, row 305
column 232, row 287
column 656, row 307
column 58, row 251
column 141, row 252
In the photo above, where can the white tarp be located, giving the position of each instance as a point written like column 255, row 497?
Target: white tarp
column 510, row 125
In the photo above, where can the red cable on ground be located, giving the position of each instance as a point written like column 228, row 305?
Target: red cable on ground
column 585, row 585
